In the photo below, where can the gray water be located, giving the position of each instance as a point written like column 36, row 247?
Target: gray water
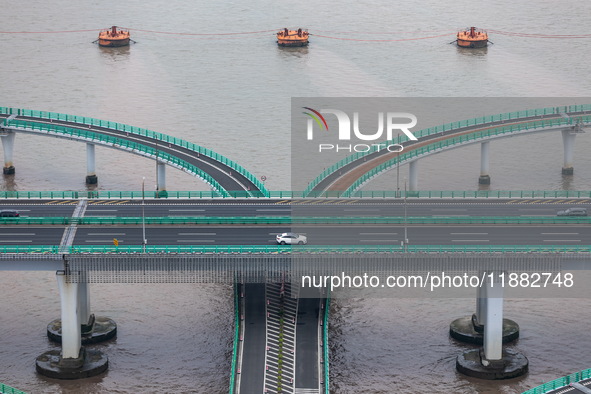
column 233, row 95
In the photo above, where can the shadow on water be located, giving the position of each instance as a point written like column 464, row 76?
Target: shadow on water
column 289, row 52
column 9, row 183
column 115, row 53
column 474, row 52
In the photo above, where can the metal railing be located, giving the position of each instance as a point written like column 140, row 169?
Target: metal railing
column 278, row 249
column 288, row 194
column 293, row 220
column 325, row 343
column 560, row 382
column 236, row 339
column 461, row 139
column 6, row 389
column 82, row 120
column 509, row 116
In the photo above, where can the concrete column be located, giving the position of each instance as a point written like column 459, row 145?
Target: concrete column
column 71, row 334
column 413, row 175
column 91, row 178
column 161, row 177
column 568, row 141
column 484, row 178
column 8, row 145
column 83, row 303
column 493, row 329
column 479, row 319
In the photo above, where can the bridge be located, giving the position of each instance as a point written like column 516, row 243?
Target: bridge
column 221, row 173
column 280, row 329
column 277, row 335
column 348, row 175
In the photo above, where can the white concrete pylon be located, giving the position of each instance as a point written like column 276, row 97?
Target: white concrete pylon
column 71, row 339
column 90, row 160
column 493, row 329
column 8, row 146
column 161, row 176
column 568, row 141
column 413, row 175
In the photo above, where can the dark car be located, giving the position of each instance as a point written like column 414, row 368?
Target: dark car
column 9, row 213
column 573, row 212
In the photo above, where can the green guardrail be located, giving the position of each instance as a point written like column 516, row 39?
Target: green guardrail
column 236, row 339
column 279, row 249
column 6, row 389
column 475, row 136
column 509, row 116
column 288, row 194
column 82, row 120
column 560, row 382
column 122, row 144
column 325, row 343
column 294, row 220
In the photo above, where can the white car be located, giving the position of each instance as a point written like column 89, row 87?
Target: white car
column 292, row 239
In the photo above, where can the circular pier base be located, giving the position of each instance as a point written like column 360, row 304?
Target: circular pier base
column 472, row 363
column 484, row 180
column 89, row 363
column 103, row 329
column 565, row 171
column 8, row 170
column 464, row 330
column 91, row 179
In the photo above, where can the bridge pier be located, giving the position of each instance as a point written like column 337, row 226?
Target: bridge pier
column 470, row 329
column 484, row 178
column 492, row 362
column 8, row 146
column 94, row 329
column 74, row 361
column 161, row 180
column 91, row 178
column 413, row 176
column 568, row 141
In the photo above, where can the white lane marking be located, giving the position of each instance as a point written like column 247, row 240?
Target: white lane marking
column 562, row 240
column 186, row 210
column 195, row 240
column 378, row 233
column 108, row 241
column 361, row 209
column 16, row 240
column 273, row 210
column 101, row 210
column 20, row 234
column 560, row 233
column 449, row 209
column 379, row 240
column 470, row 240
column 105, row 234
column 469, row 233
column 197, row 233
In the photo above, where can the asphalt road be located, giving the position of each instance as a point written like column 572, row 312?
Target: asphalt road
column 322, row 207
column 317, row 235
column 252, row 377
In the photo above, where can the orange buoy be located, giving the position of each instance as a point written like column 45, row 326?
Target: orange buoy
column 292, row 38
column 113, row 37
column 472, row 38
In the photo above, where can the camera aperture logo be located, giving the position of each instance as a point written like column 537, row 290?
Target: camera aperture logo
column 395, row 122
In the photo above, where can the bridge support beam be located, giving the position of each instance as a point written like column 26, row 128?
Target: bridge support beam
column 413, row 175
column 484, row 178
column 161, row 180
column 470, row 329
column 74, row 361
column 91, row 178
column 8, row 145
column 492, row 362
column 568, row 141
